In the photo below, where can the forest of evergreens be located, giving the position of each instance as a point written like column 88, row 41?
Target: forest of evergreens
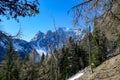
column 60, row 64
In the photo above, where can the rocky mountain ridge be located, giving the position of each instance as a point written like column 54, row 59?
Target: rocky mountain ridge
column 41, row 41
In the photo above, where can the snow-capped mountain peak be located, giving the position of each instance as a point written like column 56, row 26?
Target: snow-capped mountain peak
column 42, row 41
column 38, row 35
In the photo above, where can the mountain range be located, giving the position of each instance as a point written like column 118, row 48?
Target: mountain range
column 41, row 42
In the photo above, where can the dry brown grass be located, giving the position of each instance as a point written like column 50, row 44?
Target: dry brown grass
column 108, row 70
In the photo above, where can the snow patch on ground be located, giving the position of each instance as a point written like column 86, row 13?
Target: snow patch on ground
column 76, row 76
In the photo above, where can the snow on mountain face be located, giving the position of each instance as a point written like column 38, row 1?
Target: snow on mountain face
column 43, row 41
column 22, row 46
column 38, row 35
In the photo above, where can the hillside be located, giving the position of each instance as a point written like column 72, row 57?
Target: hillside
column 108, row 70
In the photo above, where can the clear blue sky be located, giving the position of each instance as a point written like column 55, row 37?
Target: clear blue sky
column 43, row 21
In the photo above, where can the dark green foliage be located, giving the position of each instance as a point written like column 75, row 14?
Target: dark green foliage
column 98, row 43
column 118, row 42
column 29, row 69
column 73, row 59
column 63, row 63
column 95, row 58
column 42, row 58
column 14, row 68
column 59, row 65
column 9, row 69
column 16, row 8
column 101, row 42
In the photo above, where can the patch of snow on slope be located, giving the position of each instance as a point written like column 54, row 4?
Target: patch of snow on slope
column 76, row 76
column 40, row 51
column 67, row 29
column 1, row 43
column 17, row 47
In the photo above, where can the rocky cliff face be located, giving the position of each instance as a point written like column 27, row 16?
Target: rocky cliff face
column 42, row 42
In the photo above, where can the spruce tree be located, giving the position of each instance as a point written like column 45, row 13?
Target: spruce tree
column 29, row 70
column 9, row 69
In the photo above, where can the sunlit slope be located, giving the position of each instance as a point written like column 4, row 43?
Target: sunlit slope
column 108, row 70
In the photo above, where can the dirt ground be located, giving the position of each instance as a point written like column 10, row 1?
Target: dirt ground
column 108, row 70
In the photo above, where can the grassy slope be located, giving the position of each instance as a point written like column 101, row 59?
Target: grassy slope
column 108, row 70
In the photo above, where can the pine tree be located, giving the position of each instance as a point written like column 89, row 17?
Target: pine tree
column 28, row 71
column 63, row 63
column 98, row 47
column 8, row 64
column 73, row 58
column 43, row 68
column 15, row 8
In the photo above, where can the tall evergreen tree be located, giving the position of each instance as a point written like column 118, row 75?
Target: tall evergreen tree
column 28, row 71
column 73, row 58
column 9, row 68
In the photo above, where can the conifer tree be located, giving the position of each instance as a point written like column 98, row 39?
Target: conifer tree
column 9, row 67
column 15, row 8
column 73, row 58
column 28, row 71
